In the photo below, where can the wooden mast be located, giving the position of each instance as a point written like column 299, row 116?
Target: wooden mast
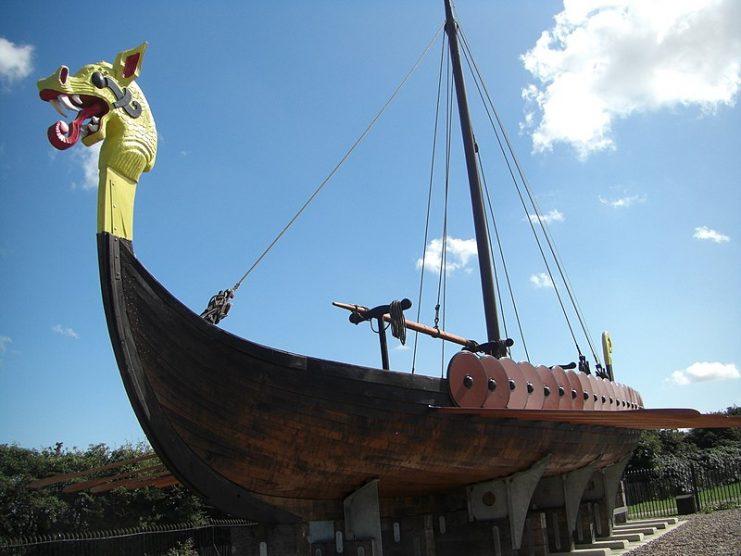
column 477, row 197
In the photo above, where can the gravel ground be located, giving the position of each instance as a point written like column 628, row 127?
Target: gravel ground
column 715, row 534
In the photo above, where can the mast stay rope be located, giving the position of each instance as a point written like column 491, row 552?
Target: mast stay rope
column 511, row 159
column 326, row 180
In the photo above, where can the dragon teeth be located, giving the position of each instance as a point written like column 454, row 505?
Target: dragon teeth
column 76, row 99
column 58, row 107
column 64, row 100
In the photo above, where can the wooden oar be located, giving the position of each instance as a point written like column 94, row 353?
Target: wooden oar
column 635, row 419
column 152, row 470
column 62, row 477
column 412, row 325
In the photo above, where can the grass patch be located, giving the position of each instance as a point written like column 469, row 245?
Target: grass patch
column 710, row 499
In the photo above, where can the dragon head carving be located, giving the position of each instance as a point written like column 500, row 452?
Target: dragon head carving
column 108, row 106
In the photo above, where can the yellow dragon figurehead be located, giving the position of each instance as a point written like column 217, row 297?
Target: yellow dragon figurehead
column 110, row 107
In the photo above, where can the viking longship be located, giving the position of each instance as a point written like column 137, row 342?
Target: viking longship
column 279, row 437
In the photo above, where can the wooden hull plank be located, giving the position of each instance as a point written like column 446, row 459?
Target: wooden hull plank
column 274, row 436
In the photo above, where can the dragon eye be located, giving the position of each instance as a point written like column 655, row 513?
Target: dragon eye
column 97, row 80
column 63, row 74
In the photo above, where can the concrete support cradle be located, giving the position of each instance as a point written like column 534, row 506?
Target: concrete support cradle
column 561, row 495
column 363, row 516
column 506, row 498
column 602, row 490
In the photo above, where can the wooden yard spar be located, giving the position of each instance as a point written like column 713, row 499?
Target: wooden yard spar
column 280, row 437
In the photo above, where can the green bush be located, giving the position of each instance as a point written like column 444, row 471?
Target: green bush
column 25, row 511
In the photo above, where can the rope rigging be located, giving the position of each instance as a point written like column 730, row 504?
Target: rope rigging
column 220, row 304
column 443, row 274
column 208, row 313
column 497, row 128
column 504, row 267
column 429, row 202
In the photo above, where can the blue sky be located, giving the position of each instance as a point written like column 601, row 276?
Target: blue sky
column 624, row 116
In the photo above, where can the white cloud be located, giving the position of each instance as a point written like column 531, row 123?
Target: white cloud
column 554, row 215
column 65, row 331
column 608, row 59
column 5, row 342
column 460, row 252
column 15, row 61
column 703, row 232
column 88, row 159
column 706, row 371
column 541, row 280
column 623, row 202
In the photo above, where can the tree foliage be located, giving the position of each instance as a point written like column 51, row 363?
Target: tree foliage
column 25, row 511
column 667, row 449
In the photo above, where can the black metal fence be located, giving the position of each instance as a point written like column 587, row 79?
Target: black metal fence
column 213, row 539
column 682, row 489
column 649, row 492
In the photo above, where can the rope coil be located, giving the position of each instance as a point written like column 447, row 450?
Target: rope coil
column 398, row 322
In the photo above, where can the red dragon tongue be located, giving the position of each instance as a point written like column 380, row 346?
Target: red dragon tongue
column 61, row 136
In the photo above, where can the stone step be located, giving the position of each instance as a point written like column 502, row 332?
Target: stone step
column 633, row 530
column 612, row 544
column 585, row 552
column 630, row 537
column 669, row 524
column 651, row 522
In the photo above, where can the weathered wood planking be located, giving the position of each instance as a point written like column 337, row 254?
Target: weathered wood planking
column 275, row 436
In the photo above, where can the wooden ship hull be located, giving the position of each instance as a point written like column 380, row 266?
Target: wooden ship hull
column 278, row 437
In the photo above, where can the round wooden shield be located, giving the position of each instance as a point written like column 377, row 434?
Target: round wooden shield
column 550, row 400
column 618, row 389
column 587, row 391
column 629, row 397
column 467, row 380
column 497, row 383
column 602, row 387
column 535, row 393
column 517, row 383
column 597, row 393
column 623, row 395
column 633, row 404
column 610, row 404
column 575, row 391
column 564, row 389
column 619, row 397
